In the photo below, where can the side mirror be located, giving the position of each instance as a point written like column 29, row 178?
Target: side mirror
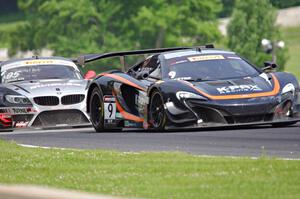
column 269, row 66
column 90, row 74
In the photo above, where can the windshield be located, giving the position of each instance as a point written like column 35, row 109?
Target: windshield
column 209, row 67
column 39, row 72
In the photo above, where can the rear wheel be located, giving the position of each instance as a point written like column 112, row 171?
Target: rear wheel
column 97, row 110
column 157, row 114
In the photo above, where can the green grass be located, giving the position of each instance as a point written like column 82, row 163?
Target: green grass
column 150, row 175
column 292, row 38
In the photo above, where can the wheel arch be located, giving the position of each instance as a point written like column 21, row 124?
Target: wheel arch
column 152, row 90
column 90, row 90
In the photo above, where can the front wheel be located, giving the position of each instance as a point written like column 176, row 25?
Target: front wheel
column 157, row 114
column 97, row 110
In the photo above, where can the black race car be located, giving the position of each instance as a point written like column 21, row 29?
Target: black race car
column 190, row 87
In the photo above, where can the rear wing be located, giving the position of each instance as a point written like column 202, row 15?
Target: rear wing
column 81, row 60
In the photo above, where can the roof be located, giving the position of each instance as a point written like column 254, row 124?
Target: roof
column 180, row 53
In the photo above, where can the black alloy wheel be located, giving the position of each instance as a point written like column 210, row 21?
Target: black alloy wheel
column 97, row 109
column 157, row 114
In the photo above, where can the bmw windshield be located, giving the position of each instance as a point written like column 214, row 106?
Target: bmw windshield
column 39, row 72
column 209, row 67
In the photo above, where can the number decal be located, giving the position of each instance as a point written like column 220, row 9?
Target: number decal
column 110, row 111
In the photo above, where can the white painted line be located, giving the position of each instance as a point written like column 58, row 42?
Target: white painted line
column 251, row 157
column 138, row 153
column 47, row 147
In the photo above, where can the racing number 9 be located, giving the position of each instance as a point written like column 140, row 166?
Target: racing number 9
column 110, row 110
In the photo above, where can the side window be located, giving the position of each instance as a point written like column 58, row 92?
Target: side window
column 154, row 68
column 149, row 68
column 156, row 73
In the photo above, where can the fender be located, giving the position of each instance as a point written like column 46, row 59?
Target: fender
column 286, row 78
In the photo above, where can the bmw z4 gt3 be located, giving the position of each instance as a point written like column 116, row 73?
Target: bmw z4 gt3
column 42, row 92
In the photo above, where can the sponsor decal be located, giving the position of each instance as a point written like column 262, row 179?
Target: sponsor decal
column 205, row 58
column 239, row 88
column 4, row 110
column 16, row 111
column 35, row 62
column 54, row 84
column 21, row 124
column 19, row 110
column 109, row 98
column 178, row 62
column 183, row 78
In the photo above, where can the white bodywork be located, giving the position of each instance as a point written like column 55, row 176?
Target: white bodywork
column 45, row 88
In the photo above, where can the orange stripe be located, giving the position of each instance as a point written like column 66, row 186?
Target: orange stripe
column 122, row 79
column 127, row 115
column 241, row 96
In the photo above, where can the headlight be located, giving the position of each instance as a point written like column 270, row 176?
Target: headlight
column 288, row 88
column 188, row 95
column 17, row 99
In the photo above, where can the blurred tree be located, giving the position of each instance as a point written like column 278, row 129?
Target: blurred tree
column 251, row 22
column 285, row 3
column 175, row 23
column 228, row 6
column 74, row 27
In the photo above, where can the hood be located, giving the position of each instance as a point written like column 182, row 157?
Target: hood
column 49, row 87
column 239, row 88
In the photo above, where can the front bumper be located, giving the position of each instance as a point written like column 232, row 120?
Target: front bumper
column 201, row 113
column 47, row 116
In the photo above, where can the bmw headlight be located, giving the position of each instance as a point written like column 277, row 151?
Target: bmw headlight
column 188, row 95
column 17, row 99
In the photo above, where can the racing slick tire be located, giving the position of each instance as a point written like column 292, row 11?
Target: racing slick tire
column 157, row 114
column 96, row 106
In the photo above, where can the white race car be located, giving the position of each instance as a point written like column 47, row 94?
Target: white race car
column 42, row 93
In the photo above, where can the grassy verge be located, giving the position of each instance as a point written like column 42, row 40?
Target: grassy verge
column 150, row 175
column 292, row 38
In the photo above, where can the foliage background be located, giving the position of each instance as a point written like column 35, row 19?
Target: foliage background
column 251, row 21
column 75, row 27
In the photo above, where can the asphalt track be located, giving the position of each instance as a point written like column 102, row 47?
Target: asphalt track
column 250, row 142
